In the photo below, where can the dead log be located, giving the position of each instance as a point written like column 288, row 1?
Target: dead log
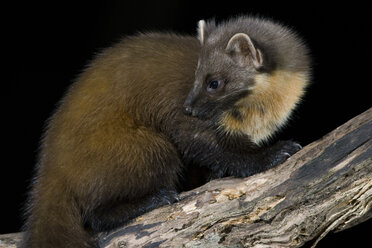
column 325, row 187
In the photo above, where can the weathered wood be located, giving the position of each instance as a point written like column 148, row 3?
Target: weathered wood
column 10, row 240
column 325, row 187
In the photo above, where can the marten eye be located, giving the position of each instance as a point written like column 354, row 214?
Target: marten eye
column 214, row 85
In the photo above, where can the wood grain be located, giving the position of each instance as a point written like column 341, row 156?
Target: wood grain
column 325, row 187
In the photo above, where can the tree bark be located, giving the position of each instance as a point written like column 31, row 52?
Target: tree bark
column 325, row 187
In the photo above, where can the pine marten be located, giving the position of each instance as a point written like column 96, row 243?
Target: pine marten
column 152, row 106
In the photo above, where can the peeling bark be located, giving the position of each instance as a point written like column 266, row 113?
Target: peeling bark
column 325, row 187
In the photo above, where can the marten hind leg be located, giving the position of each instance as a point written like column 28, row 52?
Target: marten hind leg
column 140, row 174
column 110, row 216
column 100, row 185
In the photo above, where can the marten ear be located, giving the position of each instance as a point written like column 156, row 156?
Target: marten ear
column 201, row 31
column 240, row 47
column 205, row 29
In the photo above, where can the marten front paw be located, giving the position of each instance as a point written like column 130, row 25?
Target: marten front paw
column 271, row 157
column 256, row 162
column 282, row 150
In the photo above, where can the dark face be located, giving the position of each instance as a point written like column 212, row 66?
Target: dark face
column 219, row 84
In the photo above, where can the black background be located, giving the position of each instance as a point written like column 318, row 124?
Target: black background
column 48, row 44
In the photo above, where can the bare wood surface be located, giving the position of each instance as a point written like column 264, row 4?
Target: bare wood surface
column 325, row 187
column 10, row 240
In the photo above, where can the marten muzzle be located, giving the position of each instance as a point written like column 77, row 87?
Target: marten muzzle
column 187, row 109
column 190, row 100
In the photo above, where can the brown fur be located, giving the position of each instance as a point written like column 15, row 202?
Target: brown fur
column 119, row 143
column 99, row 142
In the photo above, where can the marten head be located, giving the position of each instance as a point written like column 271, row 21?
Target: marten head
column 225, row 73
column 250, row 75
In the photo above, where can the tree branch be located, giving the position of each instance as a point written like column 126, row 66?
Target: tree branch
column 325, row 187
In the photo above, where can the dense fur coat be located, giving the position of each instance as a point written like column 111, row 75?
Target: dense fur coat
column 147, row 109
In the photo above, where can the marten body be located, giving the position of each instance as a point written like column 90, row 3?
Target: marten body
column 134, row 121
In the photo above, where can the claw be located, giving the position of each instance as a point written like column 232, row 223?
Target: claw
column 298, row 146
column 286, row 154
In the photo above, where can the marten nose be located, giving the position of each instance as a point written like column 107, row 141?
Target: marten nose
column 187, row 110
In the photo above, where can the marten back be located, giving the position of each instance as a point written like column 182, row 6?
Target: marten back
column 103, row 145
column 138, row 78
